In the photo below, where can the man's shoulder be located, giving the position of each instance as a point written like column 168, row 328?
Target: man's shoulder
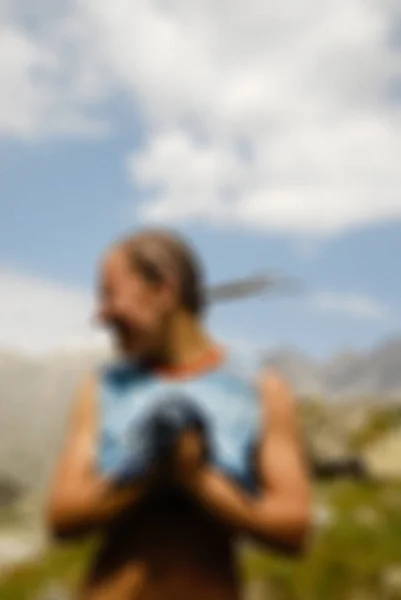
column 272, row 381
column 276, row 395
column 83, row 404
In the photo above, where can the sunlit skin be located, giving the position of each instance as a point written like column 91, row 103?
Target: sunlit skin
column 178, row 542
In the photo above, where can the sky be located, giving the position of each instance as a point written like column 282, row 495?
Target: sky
column 268, row 133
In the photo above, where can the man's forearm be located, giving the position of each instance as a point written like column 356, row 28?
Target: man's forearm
column 89, row 507
column 269, row 519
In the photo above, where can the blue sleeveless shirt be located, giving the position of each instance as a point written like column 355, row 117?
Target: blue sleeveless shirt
column 228, row 402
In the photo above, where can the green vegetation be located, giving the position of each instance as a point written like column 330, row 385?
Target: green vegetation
column 380, row 423
column 62, row 565
column 356, row 554
column 353, row 556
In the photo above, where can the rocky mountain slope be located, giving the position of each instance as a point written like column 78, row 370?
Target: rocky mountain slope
column 373, row 373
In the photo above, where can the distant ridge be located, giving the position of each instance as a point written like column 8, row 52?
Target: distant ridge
column 371, row 373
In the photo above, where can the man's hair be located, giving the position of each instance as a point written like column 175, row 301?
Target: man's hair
column 159, row 255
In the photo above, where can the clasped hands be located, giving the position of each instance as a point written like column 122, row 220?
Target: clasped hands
column 175, row 443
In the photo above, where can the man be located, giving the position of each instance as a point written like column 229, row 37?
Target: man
column 179, row 546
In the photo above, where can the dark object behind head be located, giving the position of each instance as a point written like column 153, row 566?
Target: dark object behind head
column 161, row 255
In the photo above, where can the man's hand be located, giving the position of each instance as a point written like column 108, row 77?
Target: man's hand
column 280, row 515
column 189, row 459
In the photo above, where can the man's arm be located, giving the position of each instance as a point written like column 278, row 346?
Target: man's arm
column 79, row 499
column 281, row 514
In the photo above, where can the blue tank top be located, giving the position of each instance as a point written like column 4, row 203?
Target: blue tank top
column 227, row 400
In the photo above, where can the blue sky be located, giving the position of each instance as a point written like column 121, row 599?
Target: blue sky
column 105, row 141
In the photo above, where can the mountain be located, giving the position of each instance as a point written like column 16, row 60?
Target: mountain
column 372, row 373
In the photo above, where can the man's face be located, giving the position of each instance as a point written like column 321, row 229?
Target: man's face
column 133, row 309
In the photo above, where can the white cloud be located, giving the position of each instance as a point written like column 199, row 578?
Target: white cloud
column 49, row 76
column 355, row 305
column 38, row 316
column 302, row 85
column 275, row 116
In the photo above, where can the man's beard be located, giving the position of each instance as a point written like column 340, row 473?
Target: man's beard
column 130, row 340
column 126, row 338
